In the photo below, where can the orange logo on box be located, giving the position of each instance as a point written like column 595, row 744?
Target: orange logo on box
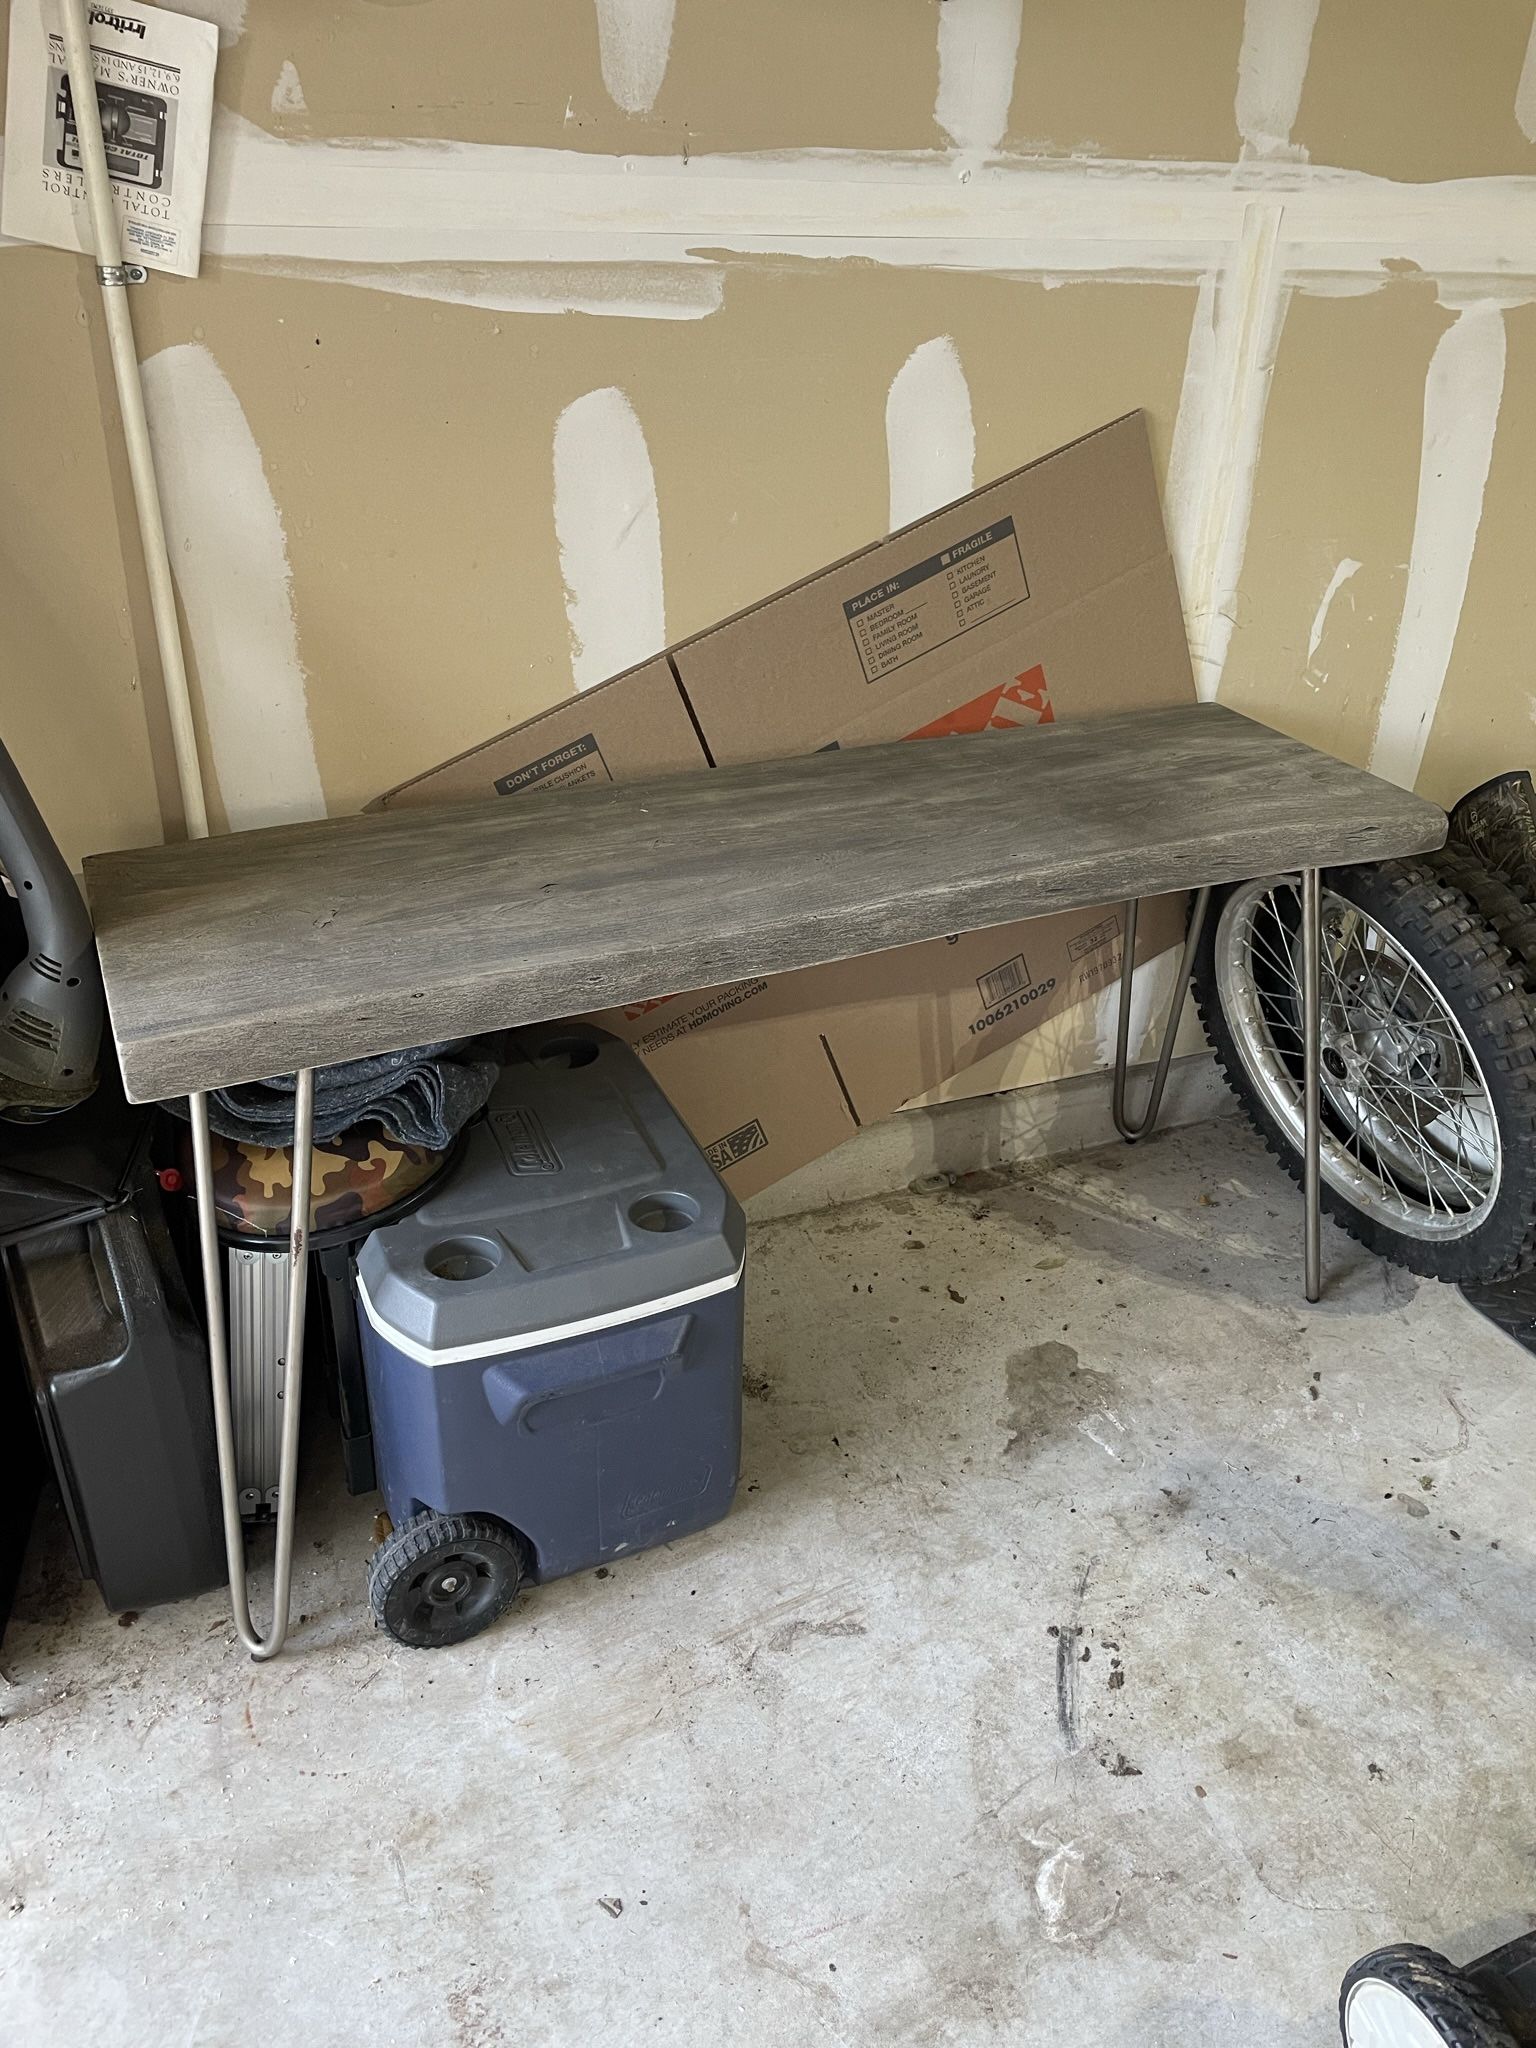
column 1024, row 701
column 634, row 1010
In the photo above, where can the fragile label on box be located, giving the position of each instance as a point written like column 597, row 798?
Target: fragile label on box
column 937, row 600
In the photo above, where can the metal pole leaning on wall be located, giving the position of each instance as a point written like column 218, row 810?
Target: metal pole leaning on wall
column 261, row 1647
column 113, row 275
column 114, row 278
column 1311, row 1087
column 1131, row 1132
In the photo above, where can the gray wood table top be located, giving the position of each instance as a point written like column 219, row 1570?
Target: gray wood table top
column 234, row 958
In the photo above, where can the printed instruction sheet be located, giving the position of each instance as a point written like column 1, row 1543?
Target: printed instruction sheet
column 154, row 81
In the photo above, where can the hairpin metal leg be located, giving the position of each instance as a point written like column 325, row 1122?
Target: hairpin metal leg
column 1128, row 1130
column 260, row 1647
column 1312, row 1112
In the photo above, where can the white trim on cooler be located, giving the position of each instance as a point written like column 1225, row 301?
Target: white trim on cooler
column 501, row 1347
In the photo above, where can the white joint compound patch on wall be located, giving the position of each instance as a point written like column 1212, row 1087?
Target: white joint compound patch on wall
column 460, row 202
column 227, row 16
column 1313, row 676
column 1228, row 372
column 1194, row 452
column 1271, row 71
column 634, row 41
column 978, row 54
column 1525, row 91
column 288, row 93
column 609, row 531
column 231, row 565
column 626, row 291
column 1462, row 394
column 930, row 438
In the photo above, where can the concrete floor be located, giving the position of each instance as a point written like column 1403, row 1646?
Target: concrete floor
column 1104, row 1649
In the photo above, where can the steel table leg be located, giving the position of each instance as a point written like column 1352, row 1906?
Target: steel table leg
column 260, row 1647
column 1312, row 1112
column 1128, row 1130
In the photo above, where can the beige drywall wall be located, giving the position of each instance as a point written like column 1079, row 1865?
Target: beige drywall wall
column 1486, row 715
column 410, row 448
column 477, row 275
column 72, row 694
column 1325, row 566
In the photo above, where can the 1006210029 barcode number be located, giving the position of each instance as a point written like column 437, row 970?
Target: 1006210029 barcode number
column 1021, row 1001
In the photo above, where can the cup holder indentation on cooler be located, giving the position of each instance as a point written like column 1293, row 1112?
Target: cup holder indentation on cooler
column 664, row 1212
column 463, row 1258
column 567, row 1052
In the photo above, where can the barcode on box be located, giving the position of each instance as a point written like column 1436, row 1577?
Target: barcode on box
column 1003, row 982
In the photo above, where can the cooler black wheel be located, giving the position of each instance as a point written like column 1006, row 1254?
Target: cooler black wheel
column 439, row 1579
column 1409, row 1997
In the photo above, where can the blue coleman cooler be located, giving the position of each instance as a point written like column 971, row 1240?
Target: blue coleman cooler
column 552, row 1342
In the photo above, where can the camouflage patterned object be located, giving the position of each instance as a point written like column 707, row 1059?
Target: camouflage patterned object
column 355, row 1176
column 1497, row 820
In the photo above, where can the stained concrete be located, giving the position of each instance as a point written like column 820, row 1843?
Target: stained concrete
column 1015, row 1126
column 1104, row 1648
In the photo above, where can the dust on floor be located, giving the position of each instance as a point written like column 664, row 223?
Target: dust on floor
column 1103, row 1645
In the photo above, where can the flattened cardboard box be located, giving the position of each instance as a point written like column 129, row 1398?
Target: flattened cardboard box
column 771, row 1073
column 959, row 604
column 1048, row 594
column 632, row 726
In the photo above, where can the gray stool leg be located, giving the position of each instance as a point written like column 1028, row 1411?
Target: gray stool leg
column 1312, row 1112
column 1131, row 1132
column 260, row 1647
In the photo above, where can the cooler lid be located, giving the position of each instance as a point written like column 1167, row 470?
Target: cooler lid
column 579, row 1202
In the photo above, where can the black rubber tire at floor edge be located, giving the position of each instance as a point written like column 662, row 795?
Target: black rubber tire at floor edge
column 1441, row 930
column 1448, row 1999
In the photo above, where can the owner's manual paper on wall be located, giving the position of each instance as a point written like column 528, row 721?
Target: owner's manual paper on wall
column 154, row 80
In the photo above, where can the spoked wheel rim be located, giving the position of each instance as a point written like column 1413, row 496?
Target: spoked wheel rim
column 448, row 1592
column 1410, row 1134
column 1378, row 2015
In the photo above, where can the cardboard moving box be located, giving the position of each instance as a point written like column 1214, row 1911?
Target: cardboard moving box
column 1048, row 594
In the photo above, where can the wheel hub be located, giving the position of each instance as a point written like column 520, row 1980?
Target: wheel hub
column 448, row 1583
column 1365, row 1055
column 1395, row 1048
column 1409, row 1133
